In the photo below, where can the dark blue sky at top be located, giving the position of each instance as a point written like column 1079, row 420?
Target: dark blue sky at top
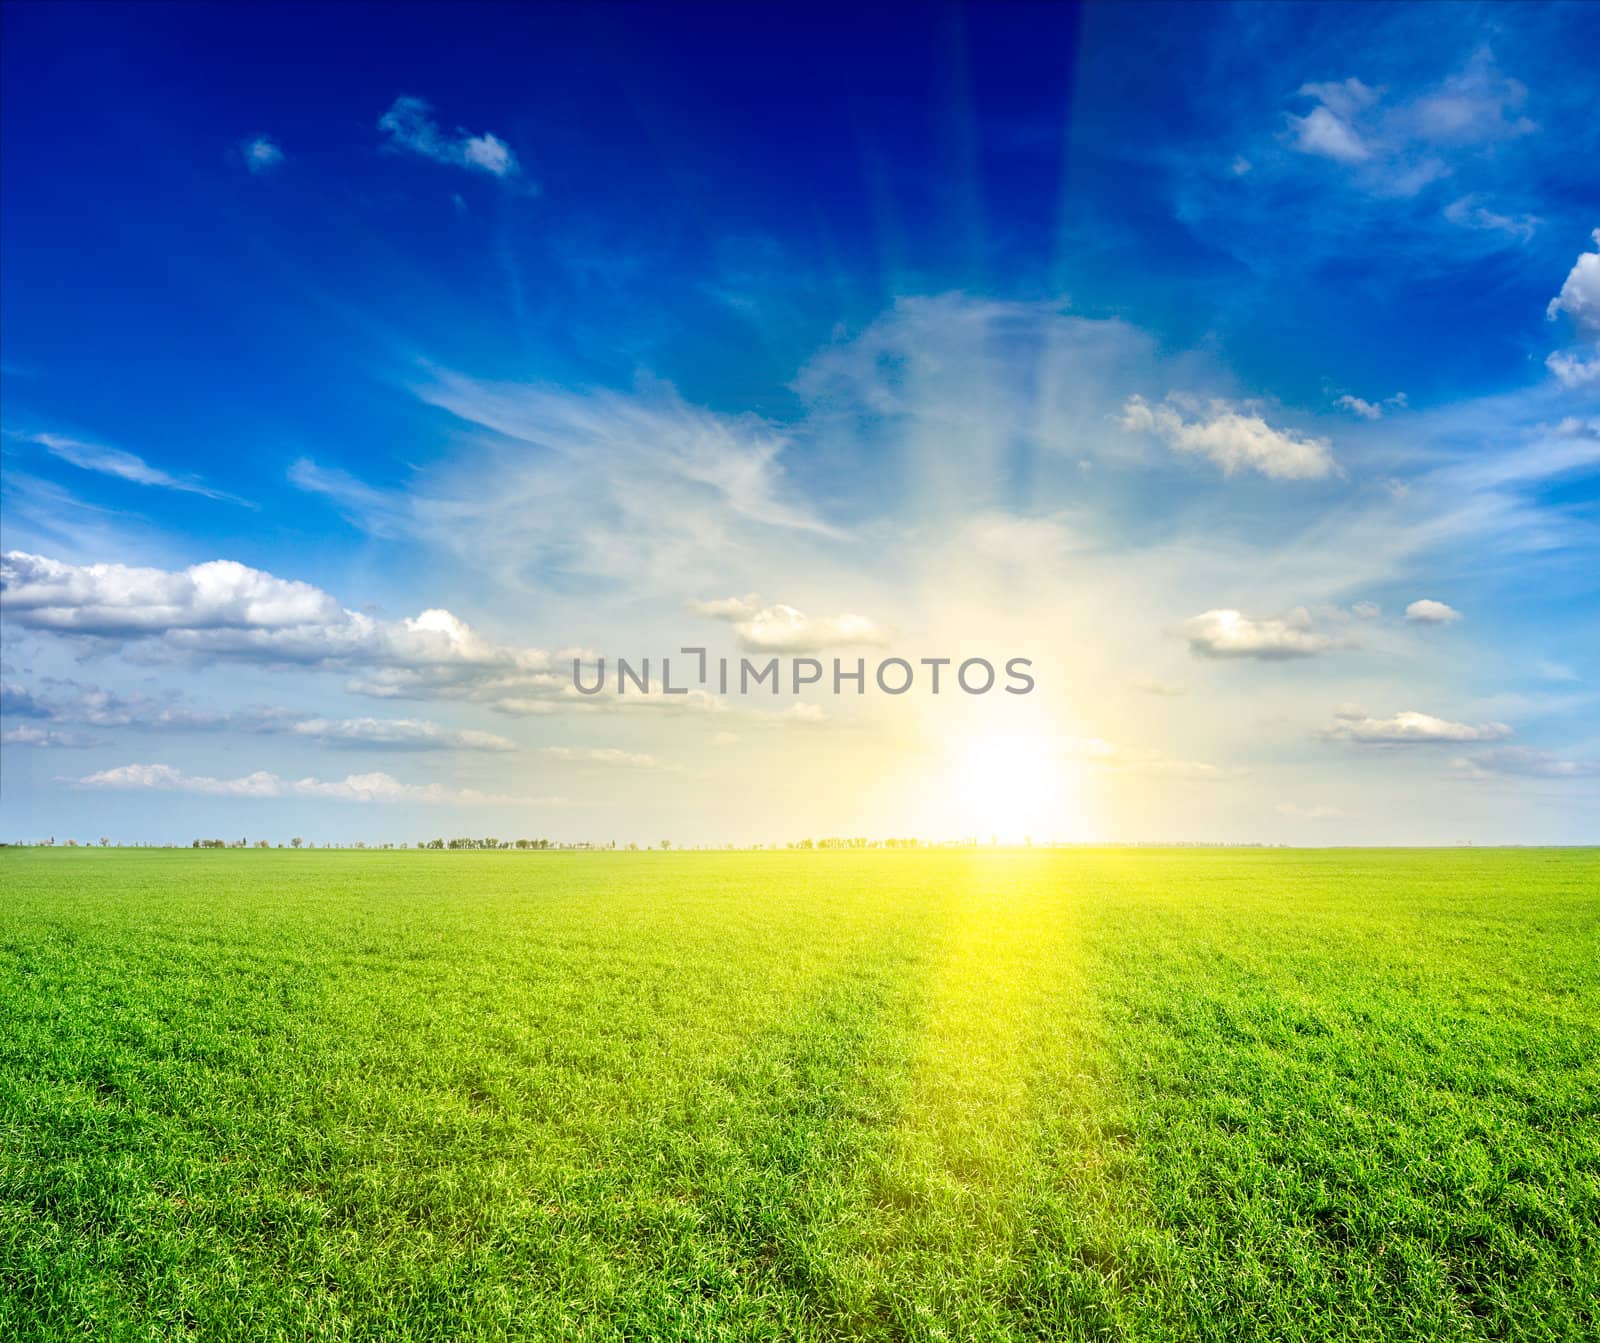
column 719, row 191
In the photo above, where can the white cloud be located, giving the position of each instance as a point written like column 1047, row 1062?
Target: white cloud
column 1233, row 439
column 410, row 127
column 1429, row 612
column 31, row 734
column 1573, row 370
column 123, row 465
column 1579, row 299
column 261, row 154
column 226, row 608
column 728, row 608
column 1475, row 106
column 1395, row 148
column 223, row 609
column 602, row 755
column 1367, row 410
column 650, row 490
column 1231, row 634
column 1371, row 410
column 1525, row 762
column 1580, row 292
column 1470, row 212
column 87, row 704
column 376, row 787
column 1322, row 131
column 1344, row 98
column 410, row 734
column 783, row 629
column 1409, row 728
column 1366, row 610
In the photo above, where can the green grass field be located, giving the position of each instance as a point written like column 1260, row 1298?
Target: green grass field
column 1140, row 1094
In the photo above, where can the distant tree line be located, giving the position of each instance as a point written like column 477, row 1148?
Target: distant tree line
column 857, row 842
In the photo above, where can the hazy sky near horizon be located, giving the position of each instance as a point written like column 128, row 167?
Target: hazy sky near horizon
column 1237, row 365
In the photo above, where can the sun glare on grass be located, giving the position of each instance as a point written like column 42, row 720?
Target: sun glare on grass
column 1011, row 788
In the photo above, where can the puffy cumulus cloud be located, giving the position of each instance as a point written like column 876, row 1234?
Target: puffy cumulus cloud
column 1232, row 634
column 1573, row 370
column 1366, row 610
column 122, row 465
column 119, row 602
column 1580, row 291
column 409, row 127
column 225, row 609
column 1523, row 762
column 1371, row 410
column 1232, row 438
column 784, row 629
column 1409, row 728
column 261, row 154
column 1579, row 299
column 404, row 734
column 1367, row 410
column 1328, row 129
column 376, row 787
column 1429, row 612
column 167, row 778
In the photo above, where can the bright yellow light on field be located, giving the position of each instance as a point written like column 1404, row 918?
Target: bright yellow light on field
column 1010, row 787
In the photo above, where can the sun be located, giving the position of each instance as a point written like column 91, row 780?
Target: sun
column 1010, row 787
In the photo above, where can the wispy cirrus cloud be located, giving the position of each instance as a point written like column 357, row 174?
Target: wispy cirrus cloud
column 122, row 465
column 69, row 702
column 1396, row 146
column 1523, row 762
column 1147, row 761
column 400, row 734
column 31, row 734
column 370, row 788
column 1409, row 728
column 610, row 757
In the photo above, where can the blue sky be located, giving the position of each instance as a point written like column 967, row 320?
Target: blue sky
column 1238, row 365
